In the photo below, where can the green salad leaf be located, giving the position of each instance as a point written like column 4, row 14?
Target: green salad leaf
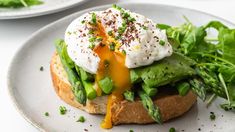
column 215, row 57
column 19, row 3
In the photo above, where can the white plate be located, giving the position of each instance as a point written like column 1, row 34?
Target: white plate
column 48, row 7
column 33, row 94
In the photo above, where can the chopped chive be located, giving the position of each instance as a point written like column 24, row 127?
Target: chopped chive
column 110, row 33
column 81, row 119
column 99, row 38
column 212, row 116
column 121, row 30
column 117, row 7
column 172, row 129
column 92, row 39
column 124, row 52
column 161, row 42
column 93, row 19
column 83, row 21
column 112, row 46
column 91, row 31
column 63, row 110
column 131, row 19
column 41, row 68
column 118, row 37
column 92, row 46
column 46, row 114
column 125, row 15
column 145, row 28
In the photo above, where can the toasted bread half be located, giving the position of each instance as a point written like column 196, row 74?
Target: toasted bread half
column 123, row 112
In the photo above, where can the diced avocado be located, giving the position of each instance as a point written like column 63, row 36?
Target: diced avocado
column 148, row 90
column 106, row 84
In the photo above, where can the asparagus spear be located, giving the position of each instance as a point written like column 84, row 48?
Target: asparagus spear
column 199, row 88
column 77, row 88
column 85, row 77
column 183, row 88
column 149, row 90
column 153, row 110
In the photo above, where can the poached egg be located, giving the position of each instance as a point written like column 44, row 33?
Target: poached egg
column 110, row 42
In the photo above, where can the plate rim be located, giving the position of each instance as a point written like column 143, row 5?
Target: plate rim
column 26, row 43
column 42, row 13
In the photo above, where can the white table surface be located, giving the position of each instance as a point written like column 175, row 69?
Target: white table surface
column 13, row 33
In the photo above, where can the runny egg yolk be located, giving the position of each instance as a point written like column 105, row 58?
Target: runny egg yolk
column 115, row 69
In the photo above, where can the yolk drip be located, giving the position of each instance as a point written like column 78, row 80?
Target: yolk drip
column 115, row 69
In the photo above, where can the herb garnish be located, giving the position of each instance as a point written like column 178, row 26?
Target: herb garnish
column 112, row 46
column 92, row 39
column 81, row 119
column 41, row 68
column 83, row 21
column 110, row 33
column 212, row 116
column 46, row 114
column 19, row 3
column 161, row 42
column 93, row 19
column 172, row 129
column 63, row 110
column 92, row 46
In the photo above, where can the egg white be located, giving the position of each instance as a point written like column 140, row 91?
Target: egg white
column 142, row 45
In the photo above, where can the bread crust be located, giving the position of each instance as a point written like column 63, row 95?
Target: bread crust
column 123, row 112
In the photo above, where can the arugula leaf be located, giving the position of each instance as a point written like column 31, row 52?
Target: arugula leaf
column 216, row 24
column 227, row 44
column 192, row 39
column 19, row 3
column 212, row 59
